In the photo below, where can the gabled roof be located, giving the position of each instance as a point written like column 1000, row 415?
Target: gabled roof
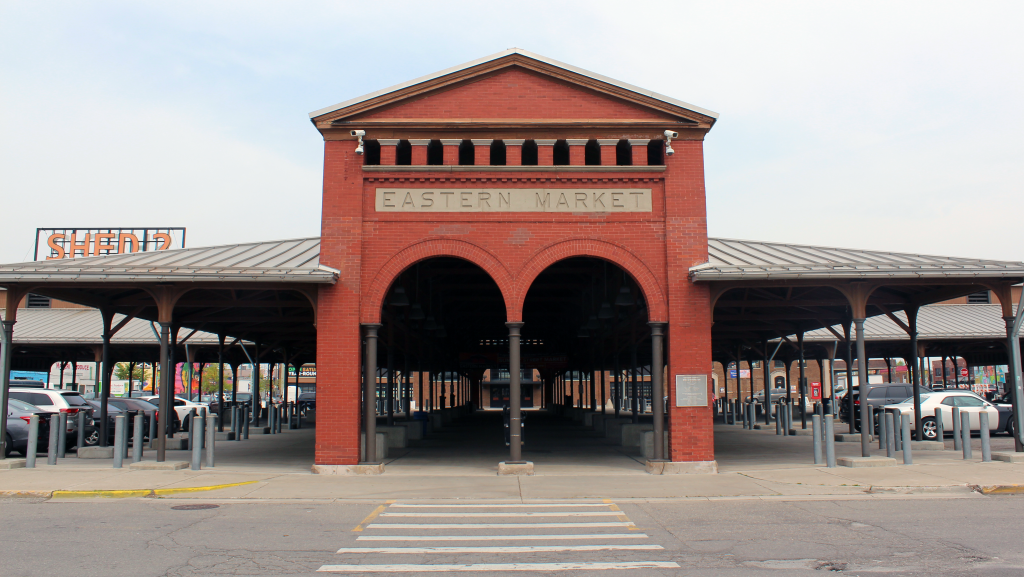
column 934, row 323
column 730, row 259
column 522, row 53
column 85, row 326
column 295, row 260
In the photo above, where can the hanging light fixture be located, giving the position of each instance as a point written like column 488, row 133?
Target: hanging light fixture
column 592, row 324
column 430, row 324
column 399, row 298
column 605, row 312
column 583, row 333
column 416, row 312
column 441, row 333
column 625, row 297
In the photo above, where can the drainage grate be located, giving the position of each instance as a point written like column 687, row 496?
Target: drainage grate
column 196, row 507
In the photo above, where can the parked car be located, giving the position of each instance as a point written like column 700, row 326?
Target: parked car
column 18, row 415
column 971, row 406
column 181, row 409
column 149, row 411
column 879, row 395
column 58, row 401
column 1003, row 404
column 307, row 405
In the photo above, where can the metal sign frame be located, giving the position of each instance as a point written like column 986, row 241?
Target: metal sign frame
column 140, row 239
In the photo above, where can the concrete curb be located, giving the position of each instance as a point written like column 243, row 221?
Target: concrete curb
column 999, row 489
column 123, row 493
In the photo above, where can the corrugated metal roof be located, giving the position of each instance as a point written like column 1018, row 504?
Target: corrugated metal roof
column 295, row 260
column 528, row 54
column 85, row 326
column 934, row 323
column 730, row 259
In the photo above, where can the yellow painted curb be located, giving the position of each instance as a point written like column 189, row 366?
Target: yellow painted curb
column 1001, row 489
column 119, row 494
column 28, row 494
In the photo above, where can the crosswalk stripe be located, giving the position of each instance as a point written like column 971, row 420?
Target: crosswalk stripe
column 404, row 568
column 492, row 506
column 495, row 525
column 560, row 537
column 512, row 514
column 521, row 549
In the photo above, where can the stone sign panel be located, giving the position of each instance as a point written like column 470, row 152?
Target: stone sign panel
column 514, row 200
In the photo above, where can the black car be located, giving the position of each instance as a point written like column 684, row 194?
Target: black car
column 879, row 395
column 307, row 405
column 18, row 415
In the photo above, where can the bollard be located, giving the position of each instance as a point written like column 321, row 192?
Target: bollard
column 211, row 438
column 245, row 422
column 236, row 423
column 883, row 433
column 789, row 419
column 897, row 438
column 152, row 430
column 965, row 432
column 956, row 429
column 33, row 442
column 986, row 445
column 51, row 449
column 871, row 422
column 202, row 417
column 81, row 431
column 191, row 427
column 830, row 443
column 291, row 416
column 119, row 440
column 940, row 435
column 889, row 424
column 816, row 433
column 140, row 425
column 197, row 447
column 62, row 439
column 778, row 417
column 908, row 459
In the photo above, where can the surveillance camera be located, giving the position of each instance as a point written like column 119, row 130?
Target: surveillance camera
column 669, row 151
column 358, row 132
column 359, row 149
column 671, row 134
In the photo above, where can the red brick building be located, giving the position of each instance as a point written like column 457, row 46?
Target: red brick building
column 535, row 162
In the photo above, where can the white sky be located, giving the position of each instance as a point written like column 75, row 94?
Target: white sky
column 893, row 126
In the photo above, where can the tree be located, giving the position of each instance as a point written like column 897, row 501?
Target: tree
column 138, row 373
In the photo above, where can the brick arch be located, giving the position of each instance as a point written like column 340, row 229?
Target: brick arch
column 430, row 248
column 613, row 253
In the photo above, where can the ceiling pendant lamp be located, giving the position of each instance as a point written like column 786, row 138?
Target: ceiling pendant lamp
column 430, row 324
column 625, row 297
column 416, row 312
column 583, row 333
column 399, row 298
column 605, row 312
column 592, row 324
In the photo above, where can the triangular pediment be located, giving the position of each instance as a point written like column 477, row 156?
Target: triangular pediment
column 514, row 86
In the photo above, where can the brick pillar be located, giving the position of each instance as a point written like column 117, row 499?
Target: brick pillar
column 545, row 152
column 451, row 150
column 338, row 355
column 639, row 146
column 388, row 151
column 419, row 151
column 691, row 437
column 482, row 151
column 577, row 151
column 608, row 151
column 514, row 151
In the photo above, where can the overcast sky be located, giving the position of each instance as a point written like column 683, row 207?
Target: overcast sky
column 894, row 126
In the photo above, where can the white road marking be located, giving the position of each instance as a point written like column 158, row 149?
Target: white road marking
column 510, row 505
column 567, row 537
column 523, row 549
column 513, row 514
column 405, row 568
column 496, row 525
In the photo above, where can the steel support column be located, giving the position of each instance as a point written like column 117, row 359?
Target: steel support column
column 658, row 387
column 514, row 394
column 803, row 379
column 862, row 380
column 7, row 349
column 370, row 393
column 915, row 381
column 108, row 319
column 220, row 383
column 165, row 394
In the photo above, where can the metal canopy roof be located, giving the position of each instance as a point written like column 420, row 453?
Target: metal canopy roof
column 527, row 54
column 730, row 259
column 934, row 322
column 287, row 261
column 85, row 326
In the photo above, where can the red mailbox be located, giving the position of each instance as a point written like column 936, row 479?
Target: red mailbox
column 815, row 391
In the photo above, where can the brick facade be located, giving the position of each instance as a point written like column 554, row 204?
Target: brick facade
column 523, row 100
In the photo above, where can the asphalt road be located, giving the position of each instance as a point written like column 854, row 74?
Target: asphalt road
column 938, row 535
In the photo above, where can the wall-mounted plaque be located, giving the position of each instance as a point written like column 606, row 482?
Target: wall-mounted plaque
column 691, row 390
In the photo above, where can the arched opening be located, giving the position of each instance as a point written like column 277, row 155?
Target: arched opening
column 592, row 153
column 656, row 153
column 403, row 153
column 530, row 153
column 623, row 153
column 467, row 153
column 371, row 152
column 498, row 153
column 560, row 154
column 435, row 153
